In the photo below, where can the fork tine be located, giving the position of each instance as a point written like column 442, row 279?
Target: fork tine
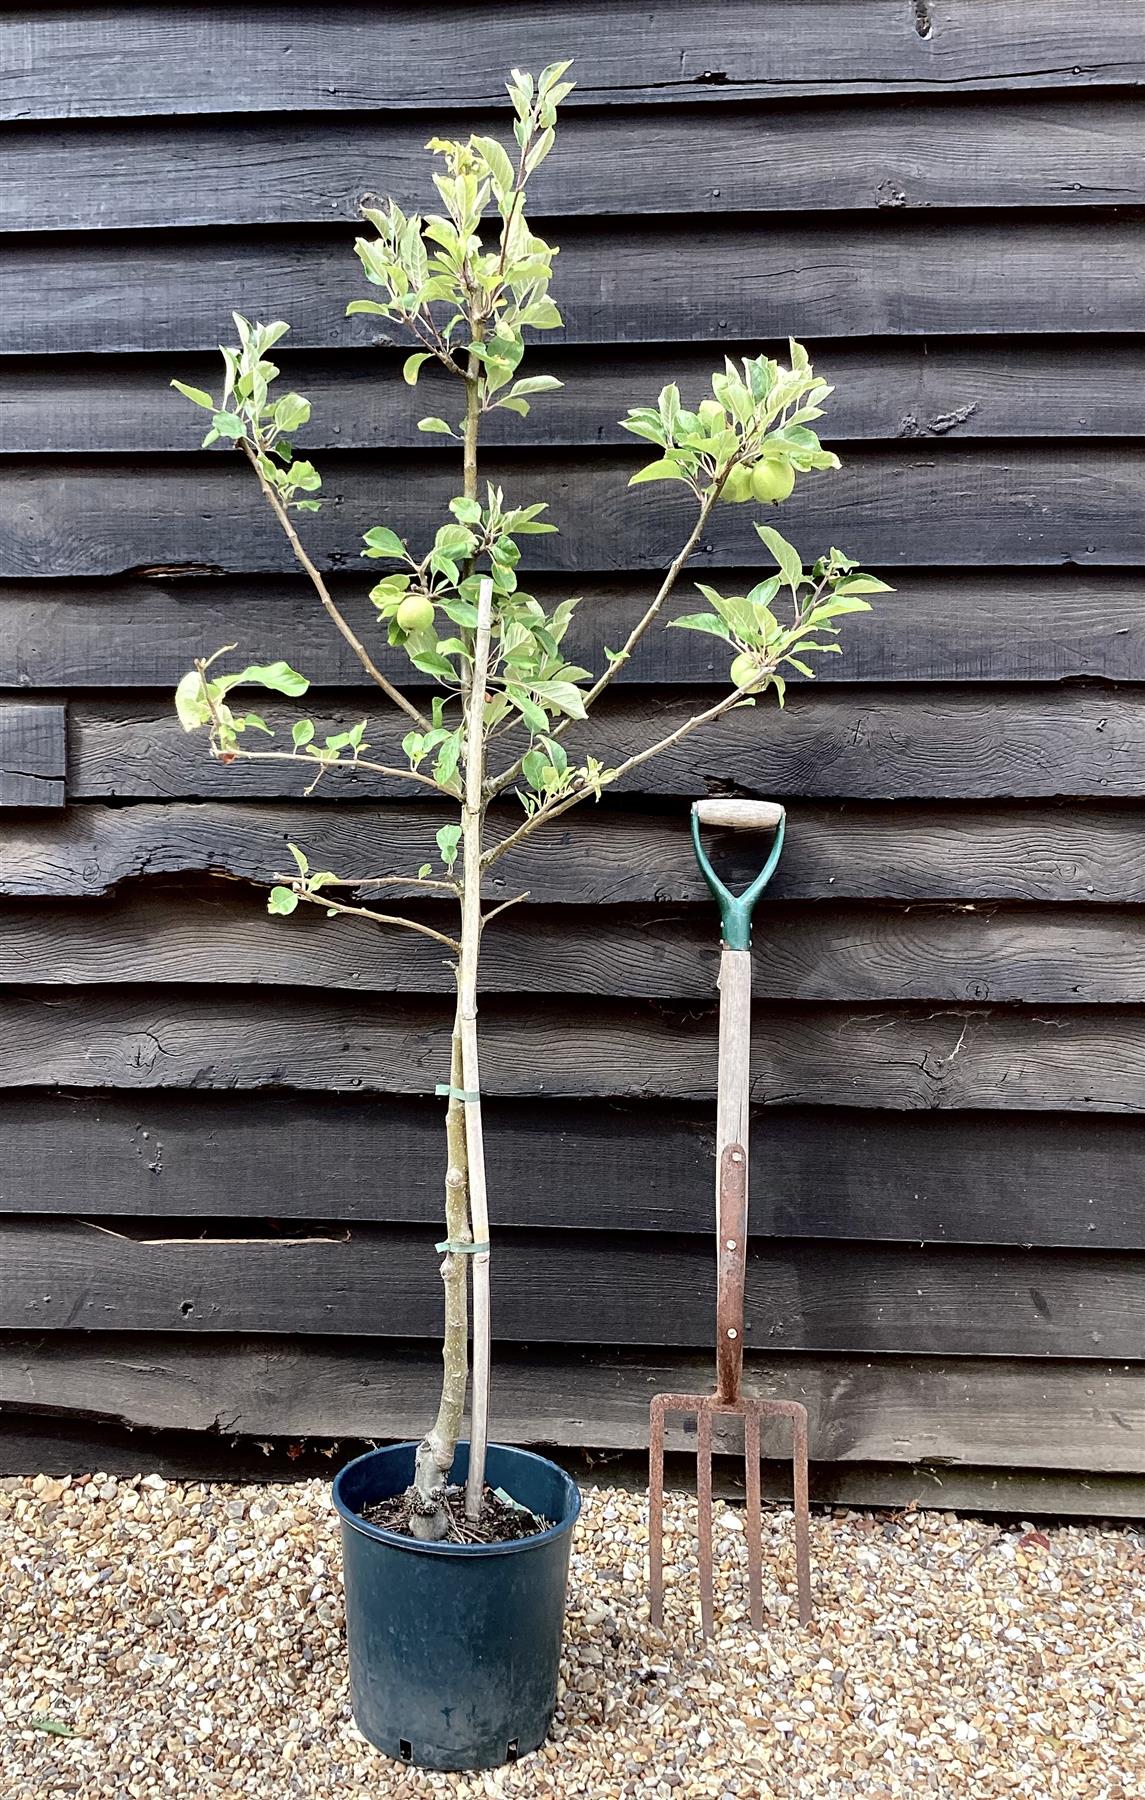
column 656, row 1413
column 704, row 1504
column 753, row 1522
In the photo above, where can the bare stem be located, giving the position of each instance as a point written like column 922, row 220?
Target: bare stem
column 323, row 592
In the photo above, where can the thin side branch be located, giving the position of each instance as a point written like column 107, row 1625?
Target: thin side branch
column 323, row 592
column 544, row 813
column 311, row 763
column 504, row 906
column 365, row 912
column 651, row 613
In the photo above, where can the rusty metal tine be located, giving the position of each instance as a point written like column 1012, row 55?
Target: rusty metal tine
column 802, row 1519
column 656, row 1414
column 753, row 1521
column 704, row 1506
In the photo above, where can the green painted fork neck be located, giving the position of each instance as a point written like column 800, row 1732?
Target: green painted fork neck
column 736, row 909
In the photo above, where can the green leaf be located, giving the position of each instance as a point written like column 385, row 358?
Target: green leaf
column 664, row 470
column 533, row 715
column 790, row 565
column 561, row 696
column 52, row 1727
column 413, row 364
column 862, row 584
column 276, row 675
column 710, row 622
column 466, row 511
column 436, row 425
column 228, row 425
column 425, row 871
column 301, row 861
column 382, row 541
column 534, row 384
column 302, row 731
column 448, row 838
column 191, row 702
column 367, row 306
column 500, row 168
column 196, row 394
column 291, row 412
column 282, row 901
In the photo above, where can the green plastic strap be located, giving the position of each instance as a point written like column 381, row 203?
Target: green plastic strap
column 735, row 909
column 453, row 1249
column 452, row 1093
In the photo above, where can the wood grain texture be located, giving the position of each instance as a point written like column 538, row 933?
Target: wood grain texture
column 994, row 1412
column 75, row 61
column 34, row 1444
column 1007, row 955
column 619, row 282
column 589, row 1289
column 946, row 504
column 977, row 1178
column 884, row 389
column 1093, row 855
column 939, row 625
column 33, row 755
column 1071, row 1059
column 869, row 744
column 1033, row 150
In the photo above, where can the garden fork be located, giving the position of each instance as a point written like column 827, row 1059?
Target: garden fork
column 732, row 1124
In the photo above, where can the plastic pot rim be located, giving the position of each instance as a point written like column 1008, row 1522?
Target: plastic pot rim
column 398, row 1540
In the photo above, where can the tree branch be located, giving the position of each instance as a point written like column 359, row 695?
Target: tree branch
column 671, row 576
column 324, row 595
column 364, row 912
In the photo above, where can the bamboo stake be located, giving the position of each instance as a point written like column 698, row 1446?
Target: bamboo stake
column 471, row 831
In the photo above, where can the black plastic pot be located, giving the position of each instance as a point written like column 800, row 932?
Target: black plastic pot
column 455, row 1648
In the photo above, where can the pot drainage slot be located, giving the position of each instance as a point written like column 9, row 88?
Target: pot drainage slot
column 511, row 1750
column 405, row 1749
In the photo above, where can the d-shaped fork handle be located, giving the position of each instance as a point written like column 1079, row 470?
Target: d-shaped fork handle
column 737, row 815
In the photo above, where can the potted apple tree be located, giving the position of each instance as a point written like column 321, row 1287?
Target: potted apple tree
column 456, row 1552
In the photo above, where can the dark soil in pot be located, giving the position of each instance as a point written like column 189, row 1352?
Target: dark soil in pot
column 502, row 1519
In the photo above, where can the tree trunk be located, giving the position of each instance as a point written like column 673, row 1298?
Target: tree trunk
column 436, row 1450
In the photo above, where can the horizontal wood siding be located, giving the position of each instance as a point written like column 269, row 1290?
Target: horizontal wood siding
column 219, row 1149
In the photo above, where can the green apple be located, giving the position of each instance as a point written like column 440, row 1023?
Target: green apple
column 415, row 613
column 772, row 479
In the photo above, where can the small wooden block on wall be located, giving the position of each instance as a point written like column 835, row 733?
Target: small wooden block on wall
column 33, row 755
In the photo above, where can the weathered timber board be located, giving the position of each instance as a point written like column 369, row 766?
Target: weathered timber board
column 74, row 61
column 987, row 1178
column 1072, row 1059
column 34, row 1444
column 889, row 388
column 1027, row 150
column 902, row 852
column 939, row 626
column 622, row 282
column 1048, row 1415
column 869, row 744
column 1009, row 955
column 33, row 755
column 941, row 503
column 591, row 1288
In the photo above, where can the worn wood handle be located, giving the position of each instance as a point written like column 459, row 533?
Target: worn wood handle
column 739, row 815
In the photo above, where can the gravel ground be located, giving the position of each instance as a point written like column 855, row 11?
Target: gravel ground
column 190, row 1638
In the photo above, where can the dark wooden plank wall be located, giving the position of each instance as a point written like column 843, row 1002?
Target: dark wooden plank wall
column 219, row 1160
